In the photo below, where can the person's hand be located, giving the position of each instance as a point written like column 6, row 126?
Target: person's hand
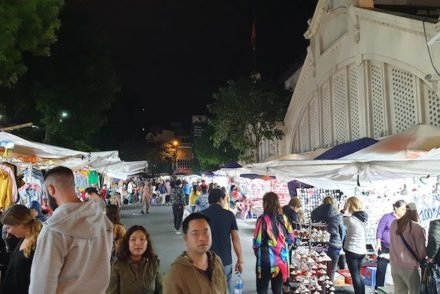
column 239, row 266
column 378, row 246
column 430, row 260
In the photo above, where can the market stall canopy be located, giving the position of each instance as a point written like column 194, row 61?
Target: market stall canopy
column 410, row 144
column 259, row 168
column 25, row 150
column 345, row 149
column 231, row 164
column 123, row 170
column 414, row 152
column 93, row 160
column 333, row 153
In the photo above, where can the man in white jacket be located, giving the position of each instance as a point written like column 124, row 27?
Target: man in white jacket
column 74, row 247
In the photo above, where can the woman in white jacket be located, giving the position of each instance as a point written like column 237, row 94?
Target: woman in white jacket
column 355, row 241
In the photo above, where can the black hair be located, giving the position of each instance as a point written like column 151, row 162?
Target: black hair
column 215, row 195
column 178, row 182
column 399, row 203
column 91, row 190
column 124, row 249
column 193, row 216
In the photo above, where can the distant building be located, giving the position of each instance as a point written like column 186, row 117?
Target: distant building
column 185, row 158
column 199, row 125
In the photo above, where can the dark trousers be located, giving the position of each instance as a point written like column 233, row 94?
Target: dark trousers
column 178, row 215
column 382, row 264
column 266, row 277
column 341, row 261
column 333, row 253
column 354, row 262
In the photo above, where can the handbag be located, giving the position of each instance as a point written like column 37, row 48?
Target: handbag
column 431, row 279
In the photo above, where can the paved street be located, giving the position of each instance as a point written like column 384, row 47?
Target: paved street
column 159, row 222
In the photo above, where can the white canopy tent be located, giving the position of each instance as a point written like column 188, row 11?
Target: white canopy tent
column 41, row 151
column 414, row 152
column 123, row 170
column 46, row 156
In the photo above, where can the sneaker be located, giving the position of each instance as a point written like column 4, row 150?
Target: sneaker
column 142, row 212
column 178, row 233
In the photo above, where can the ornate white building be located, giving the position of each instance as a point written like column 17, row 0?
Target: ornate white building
column 368, row 72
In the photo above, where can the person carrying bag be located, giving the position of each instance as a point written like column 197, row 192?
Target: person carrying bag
column 407, row 252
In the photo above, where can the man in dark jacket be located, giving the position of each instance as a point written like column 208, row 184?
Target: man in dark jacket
column 433, row 248
column 329, row 214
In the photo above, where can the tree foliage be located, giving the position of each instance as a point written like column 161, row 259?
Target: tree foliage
column 157, row 154
column 245, row 112
column 25, row 27
column 77, row 79
column 210, row 157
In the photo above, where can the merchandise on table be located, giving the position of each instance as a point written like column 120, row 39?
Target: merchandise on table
column 309, row 272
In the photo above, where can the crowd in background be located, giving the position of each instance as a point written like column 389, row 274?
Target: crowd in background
column 51, row 247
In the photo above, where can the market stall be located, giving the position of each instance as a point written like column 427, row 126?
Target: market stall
column 30, row 158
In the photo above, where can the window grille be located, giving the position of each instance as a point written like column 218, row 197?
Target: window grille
column 326, row 115
column 433, row 106
column 377, row 99
column 340, row 106
column 403, row 98
column 314, row 123
column 305, row 133
column 354, row 102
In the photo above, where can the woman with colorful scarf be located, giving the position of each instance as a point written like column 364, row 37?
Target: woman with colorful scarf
column 272, row 236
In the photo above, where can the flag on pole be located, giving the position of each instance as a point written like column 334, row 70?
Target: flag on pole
column 253, row 35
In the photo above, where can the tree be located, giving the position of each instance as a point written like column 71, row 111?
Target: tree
column 245, row 112
column 210, row 157
column 72, row 90
column 25, row 27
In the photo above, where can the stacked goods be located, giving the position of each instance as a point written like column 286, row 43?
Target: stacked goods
column 309, row 272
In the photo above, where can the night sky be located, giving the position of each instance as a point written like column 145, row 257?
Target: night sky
column 171, row 56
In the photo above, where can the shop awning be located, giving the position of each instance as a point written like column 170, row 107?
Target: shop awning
column 345, row 149
column 414, row 152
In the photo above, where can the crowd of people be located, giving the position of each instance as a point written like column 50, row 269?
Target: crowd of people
column 79, row 244
column 82, row 246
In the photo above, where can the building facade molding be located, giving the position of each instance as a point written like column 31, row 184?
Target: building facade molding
column 366, row 73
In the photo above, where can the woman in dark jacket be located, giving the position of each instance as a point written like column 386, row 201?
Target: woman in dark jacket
column 329, row 214
column 292, row 211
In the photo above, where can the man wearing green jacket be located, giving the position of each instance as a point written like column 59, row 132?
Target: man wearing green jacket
column 198, row 270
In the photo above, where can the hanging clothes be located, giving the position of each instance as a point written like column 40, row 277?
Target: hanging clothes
column 80, row 180
column 33, row 189
column 30, row 192
column 93, row 178
column 8, row 187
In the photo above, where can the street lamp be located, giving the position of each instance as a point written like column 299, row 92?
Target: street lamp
column 63, row 115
